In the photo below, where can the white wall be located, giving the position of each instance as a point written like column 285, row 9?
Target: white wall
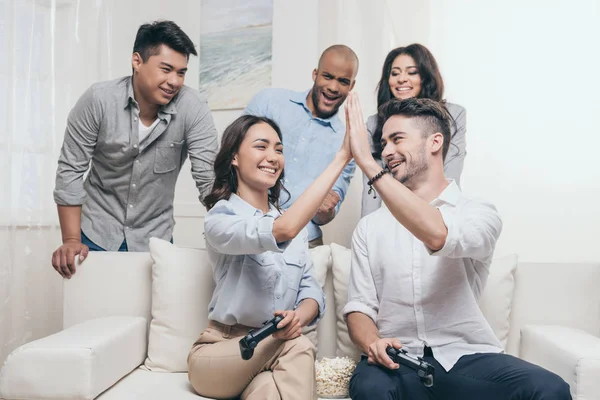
column 528, row 74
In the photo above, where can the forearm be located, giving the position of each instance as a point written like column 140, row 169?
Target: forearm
column 70, row 223
column 415, row 214
column 307, row 311
column 362, row 330
column 304, row 208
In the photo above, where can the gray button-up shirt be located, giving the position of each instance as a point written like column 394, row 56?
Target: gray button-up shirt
column 129, row 191
column 254, row 275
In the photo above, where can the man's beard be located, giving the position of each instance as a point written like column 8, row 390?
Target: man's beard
column 316, row 99
column 415, row 168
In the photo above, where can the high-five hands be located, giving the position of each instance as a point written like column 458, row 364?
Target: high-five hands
column 357, row 131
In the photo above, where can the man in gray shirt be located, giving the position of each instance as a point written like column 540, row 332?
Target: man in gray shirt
column 137, row 132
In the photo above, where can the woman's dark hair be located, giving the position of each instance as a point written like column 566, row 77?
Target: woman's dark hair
column 432, row 84
column 226, row 181
column 150, row 37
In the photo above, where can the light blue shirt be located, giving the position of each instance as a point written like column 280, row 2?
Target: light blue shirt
column 255, row 275
column 309, row 143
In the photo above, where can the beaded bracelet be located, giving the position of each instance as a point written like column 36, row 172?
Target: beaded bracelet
column 372, row 181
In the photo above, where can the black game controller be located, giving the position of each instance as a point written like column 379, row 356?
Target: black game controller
column 249, row 342
column 424, row 370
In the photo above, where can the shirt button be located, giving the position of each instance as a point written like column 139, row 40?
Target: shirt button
column 131, row 206
column 172, row 145
column 135, row 146
column 137, row 161
column 133, row 185
column 134, row 119
column 127, row 227
column 303, row 138
column 295, row 159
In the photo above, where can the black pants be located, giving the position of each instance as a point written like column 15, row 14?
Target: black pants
column 478, row 377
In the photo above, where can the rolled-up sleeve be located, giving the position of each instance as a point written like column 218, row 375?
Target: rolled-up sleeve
column 202, row 144
column 229, row 233
column 309, row 287
column 362, row 294
column 343, row 182
column 79, row 143
column 473, row 230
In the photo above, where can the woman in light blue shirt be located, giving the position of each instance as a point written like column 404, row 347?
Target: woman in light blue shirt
column 262, row 267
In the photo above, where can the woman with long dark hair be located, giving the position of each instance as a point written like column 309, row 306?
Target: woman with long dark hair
column 407, row 72
column 262, row 267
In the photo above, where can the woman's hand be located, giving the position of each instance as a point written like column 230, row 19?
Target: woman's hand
column 346, row 150
column 289, row 327
column 357, row 130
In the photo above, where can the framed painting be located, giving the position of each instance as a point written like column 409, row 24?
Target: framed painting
column 235, row 51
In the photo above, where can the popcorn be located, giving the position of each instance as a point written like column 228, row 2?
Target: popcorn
column 333, row 376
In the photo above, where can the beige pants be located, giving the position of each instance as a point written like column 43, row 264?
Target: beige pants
column 278, row 370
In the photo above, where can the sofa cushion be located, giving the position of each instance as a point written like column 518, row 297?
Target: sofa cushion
column 182, row 286
column 321, row 258
column 495, row 301
column 340, row 256
column 497, row 297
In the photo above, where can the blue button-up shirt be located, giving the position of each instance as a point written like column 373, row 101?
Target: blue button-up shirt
column 309, row 143
column 255, row 275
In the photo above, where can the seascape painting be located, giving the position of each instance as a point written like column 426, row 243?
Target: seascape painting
column 235, row 51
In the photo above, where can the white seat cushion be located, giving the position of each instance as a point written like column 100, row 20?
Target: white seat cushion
column 146, row 385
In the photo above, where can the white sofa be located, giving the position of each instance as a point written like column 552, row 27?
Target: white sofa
column 129, row 316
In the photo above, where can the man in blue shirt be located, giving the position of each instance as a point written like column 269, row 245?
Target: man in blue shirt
column 312, row 130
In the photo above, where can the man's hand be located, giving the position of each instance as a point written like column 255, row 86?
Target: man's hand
column 63, row 259
column 355, row 125
column 326, row 211
column 289, row 327
column 377, row 354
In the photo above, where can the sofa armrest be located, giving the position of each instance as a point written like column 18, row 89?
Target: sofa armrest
column 571, row 353
column 77, row 363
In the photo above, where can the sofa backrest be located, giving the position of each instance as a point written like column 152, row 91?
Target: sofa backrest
column 107, row 284
column 110, row 284
column 555, row 294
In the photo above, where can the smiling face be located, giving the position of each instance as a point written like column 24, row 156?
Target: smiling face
column 259, row 161
column 333, row 80
column 404, row 79
column 405, row 150
column 160, row 77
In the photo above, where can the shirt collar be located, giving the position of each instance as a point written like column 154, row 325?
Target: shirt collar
column 165, row 109
column 244, row 208
column 449, row 195
column 334, row 122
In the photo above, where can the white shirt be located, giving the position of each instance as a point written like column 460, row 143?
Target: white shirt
column 425, row 298
column 144, row 131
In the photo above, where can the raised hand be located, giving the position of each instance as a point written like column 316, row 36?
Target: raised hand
column 355, row 126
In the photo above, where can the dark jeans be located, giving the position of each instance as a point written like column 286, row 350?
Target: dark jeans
column 474, row 377
column 94, row 247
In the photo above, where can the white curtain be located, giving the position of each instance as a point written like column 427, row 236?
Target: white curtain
column 41, row 54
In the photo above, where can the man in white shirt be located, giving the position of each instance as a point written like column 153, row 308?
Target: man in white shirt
column 419, row 266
